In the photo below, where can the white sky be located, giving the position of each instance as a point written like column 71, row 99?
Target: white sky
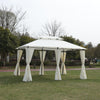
column 80, row 18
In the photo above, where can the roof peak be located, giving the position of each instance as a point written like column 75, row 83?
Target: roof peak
column 50, row 38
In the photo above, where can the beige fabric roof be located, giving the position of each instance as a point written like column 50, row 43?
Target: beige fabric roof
column 51, row 43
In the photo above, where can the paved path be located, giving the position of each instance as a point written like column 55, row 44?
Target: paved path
column 22, row 70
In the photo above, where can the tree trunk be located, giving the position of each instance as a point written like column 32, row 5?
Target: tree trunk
column 4, row 62
column 8, row 58
column 4, row 59
column 0, row 57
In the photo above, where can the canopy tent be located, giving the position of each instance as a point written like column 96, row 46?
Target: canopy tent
column 49, row 43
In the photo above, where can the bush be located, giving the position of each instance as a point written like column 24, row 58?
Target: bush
column 1, row 63
column 22, row 62
column 73, row 62
column 11, row 63
column 35, row 62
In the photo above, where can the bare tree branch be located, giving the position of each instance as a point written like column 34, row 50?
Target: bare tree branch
column 10, row 19
column 53, row 29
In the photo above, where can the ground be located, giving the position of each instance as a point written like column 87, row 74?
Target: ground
column 46, row 88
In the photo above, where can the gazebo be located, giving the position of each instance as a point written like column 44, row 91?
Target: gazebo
column 48, row 43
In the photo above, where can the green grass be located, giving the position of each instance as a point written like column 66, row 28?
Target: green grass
column 46, row 88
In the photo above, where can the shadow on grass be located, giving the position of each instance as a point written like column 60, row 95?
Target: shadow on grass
column 10, row 79
column 6, row 80
column 42, row 78
column 93, row 80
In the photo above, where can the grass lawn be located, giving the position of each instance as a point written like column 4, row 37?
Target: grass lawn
column 46, row 88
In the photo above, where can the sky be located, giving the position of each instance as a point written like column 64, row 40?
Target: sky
column 79, row 18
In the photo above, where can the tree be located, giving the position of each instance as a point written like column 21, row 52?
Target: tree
column 71, row 54
column 89, row 45
column 10, row 19
column 25, row 38
column 53, row 29
column 90, row 51
column 73, row 40
column 97, row 51
column 8, row 43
